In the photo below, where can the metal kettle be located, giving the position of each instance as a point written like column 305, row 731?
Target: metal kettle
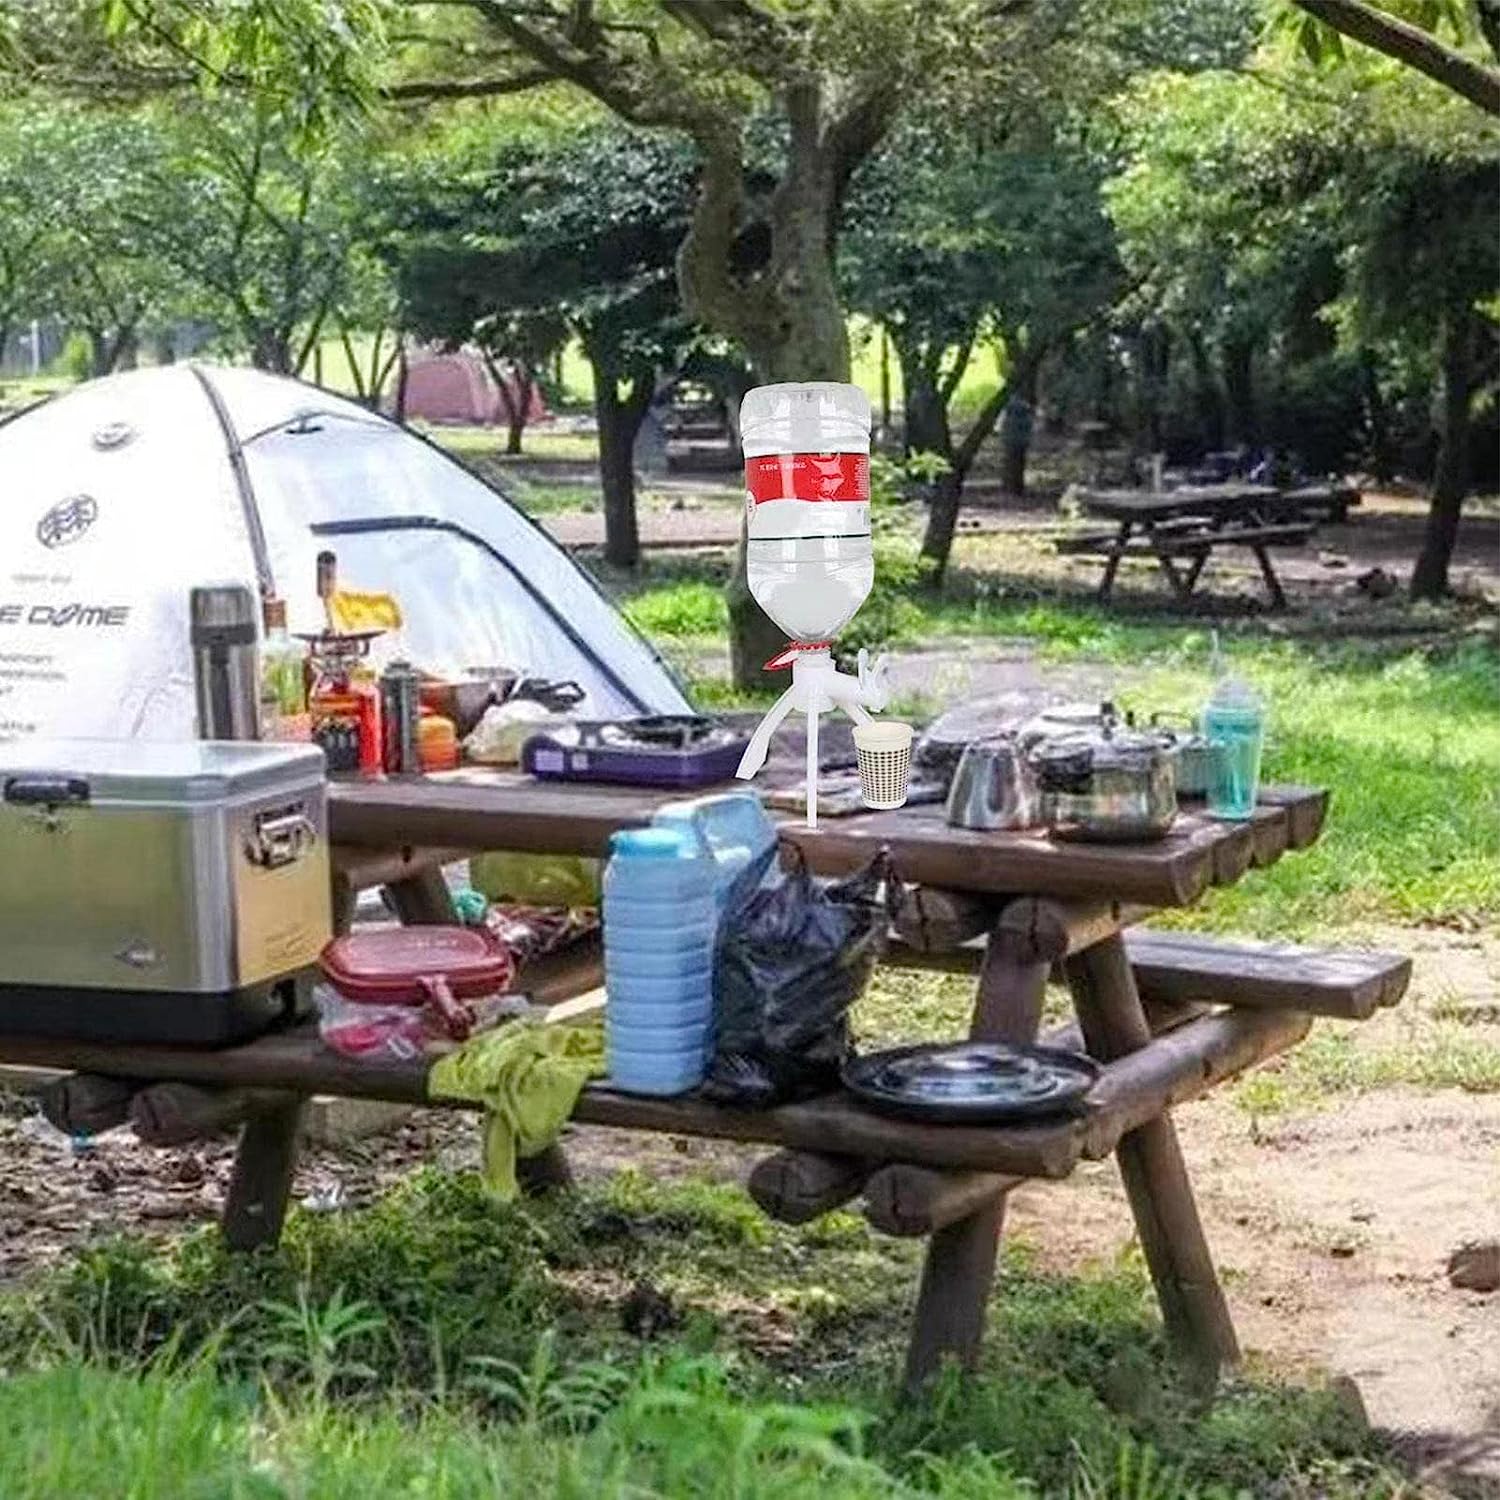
column 994, row 787
column 1117, row 785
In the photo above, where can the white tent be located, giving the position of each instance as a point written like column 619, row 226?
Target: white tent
column 118, row 497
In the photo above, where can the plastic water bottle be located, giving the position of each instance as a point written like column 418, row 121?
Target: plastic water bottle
column 1234, row 724
column 660, row 914
column 732, row 827
column 809, row 560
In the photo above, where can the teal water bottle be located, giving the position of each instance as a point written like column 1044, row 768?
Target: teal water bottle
column 1234, row 724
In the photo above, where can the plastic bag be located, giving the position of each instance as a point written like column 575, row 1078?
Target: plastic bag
column 536, row 879
column 793, row 955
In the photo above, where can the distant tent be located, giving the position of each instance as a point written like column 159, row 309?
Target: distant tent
column 459, row 387
column 119, row 496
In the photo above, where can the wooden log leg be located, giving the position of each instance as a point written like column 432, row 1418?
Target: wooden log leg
column 345, row 899
column 422, row 900
column 263, row 1165
column 1181, row 589
column 960, row 1264
column 1273, row 583
column 1156, row 1180
column 1195, row 569
column 1112, row 562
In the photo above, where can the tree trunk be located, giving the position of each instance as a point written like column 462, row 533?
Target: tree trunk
column 619, row 421
column 1378, row 418
column 1016, row 426
column 942, row 522
column 1239, row 391
column 1207, row 396
column 1450, row 480
column 402, row 369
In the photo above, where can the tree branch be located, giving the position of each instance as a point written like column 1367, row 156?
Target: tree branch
column 1411, row 45
column 467, row 88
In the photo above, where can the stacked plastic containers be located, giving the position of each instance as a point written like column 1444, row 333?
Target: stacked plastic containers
column 664, row 889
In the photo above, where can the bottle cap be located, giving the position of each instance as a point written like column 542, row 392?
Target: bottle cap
column 649, row 843
column 273, row 612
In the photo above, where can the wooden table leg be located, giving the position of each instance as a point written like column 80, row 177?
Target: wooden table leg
column 1181, row 589
column 263, row 1166
column 1112, row 561
column 423, row 899
column 1156, row 1180
column 960, row 1264
column 1273, row 583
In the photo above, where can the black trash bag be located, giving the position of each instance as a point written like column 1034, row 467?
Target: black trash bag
column 793, row 955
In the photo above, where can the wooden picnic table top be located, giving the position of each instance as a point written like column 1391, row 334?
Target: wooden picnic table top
column 480, row 809
column 1149, row 505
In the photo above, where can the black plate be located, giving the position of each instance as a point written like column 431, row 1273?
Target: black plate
column 971, row 1082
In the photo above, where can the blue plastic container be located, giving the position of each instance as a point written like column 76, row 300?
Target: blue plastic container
column 733, row 827
column 660, row 913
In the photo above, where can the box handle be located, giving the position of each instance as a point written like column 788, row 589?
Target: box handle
column 280, row 839
column 46, row 791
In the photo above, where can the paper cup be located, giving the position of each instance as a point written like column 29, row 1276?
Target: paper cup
column 884, row 751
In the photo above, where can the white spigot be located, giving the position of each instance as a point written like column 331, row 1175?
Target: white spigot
column 817, row 686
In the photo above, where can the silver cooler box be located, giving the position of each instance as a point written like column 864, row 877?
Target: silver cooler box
column 164, row 892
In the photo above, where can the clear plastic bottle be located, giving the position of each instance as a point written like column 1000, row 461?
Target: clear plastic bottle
column 809, row 560
column 1234, row 724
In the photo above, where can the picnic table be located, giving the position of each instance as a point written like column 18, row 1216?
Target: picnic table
column 1168, row 1016
column 1181, row 528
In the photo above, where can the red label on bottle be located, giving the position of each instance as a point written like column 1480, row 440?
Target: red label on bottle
column 808, row 476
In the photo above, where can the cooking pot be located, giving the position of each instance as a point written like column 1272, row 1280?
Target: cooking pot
column 1116, row 785
column 994, row 787
column 1195, row 755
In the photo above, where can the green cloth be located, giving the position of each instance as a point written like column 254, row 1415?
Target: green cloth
column 528, row 1077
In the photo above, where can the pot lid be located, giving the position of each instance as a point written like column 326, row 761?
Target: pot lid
column 396, row 964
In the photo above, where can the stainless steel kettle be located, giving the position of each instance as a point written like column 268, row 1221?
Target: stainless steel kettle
column 994, row 787
column 1114, row 786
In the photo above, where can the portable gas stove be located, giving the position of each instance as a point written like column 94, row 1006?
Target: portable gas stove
column 668, row 750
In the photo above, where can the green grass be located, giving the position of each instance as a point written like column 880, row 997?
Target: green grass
column 1339, row 1059
column 398, row 1351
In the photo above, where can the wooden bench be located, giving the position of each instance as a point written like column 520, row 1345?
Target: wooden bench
column 1349, row 984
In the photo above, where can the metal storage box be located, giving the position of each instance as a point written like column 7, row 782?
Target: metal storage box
column 174, row 892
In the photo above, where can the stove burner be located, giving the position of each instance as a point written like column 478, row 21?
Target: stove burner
column 663, row 732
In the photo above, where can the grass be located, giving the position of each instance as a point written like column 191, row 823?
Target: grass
column 396, row 1352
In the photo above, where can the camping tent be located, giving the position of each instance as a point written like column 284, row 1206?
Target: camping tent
column 459, row 387
column 118, row 497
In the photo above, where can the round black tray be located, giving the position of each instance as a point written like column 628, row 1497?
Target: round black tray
column 971, row 1082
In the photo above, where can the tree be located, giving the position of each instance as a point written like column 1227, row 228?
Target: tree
column 958, row 244
column 1324, row 23
column 1361, row 215
column 85, row 201
column 576, row 237
column 1428, row 270
column 823, row 80
column 271, row 239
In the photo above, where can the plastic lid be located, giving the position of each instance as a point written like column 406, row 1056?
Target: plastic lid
column 650, row 843
column 1234, row 692
column 273, row 612
column 391, row 963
